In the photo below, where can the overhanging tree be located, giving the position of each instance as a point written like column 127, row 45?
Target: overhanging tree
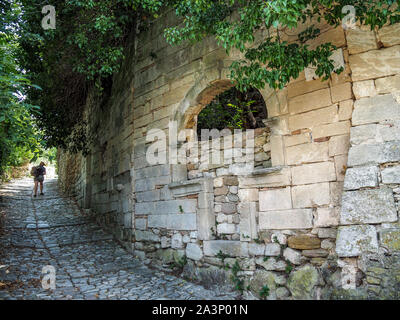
column 87, row 46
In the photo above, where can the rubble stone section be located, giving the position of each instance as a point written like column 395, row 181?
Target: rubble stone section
column 322, row 192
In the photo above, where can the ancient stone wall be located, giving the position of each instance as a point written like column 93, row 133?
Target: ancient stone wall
column 318, row 219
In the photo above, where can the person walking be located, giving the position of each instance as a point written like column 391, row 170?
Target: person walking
column 38, row 173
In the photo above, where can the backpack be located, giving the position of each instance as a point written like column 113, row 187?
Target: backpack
column 39, row 171
column 33, row 171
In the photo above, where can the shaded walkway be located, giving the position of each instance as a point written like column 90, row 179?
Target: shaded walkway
column 89, row 264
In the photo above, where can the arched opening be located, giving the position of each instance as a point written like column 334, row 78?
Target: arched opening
column 225, row 113
column 233, row 109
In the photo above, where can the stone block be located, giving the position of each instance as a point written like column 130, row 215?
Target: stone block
column 185, row 221
column 391, row 175
column 146, row 236
column 345, row 109
column 226, row 228
column 310, row 152
column 280, row 178
column 310, row 101
column 339, row 145
column 231, row 248
column 313, row 118
column 327, row 244
column 194, row 252
column 375, row 109
column 334, row 35
column 389, row 35
column 360, row 40
column 363, row 134
column 271, row 264
column 175, row 206
column 375, row 63
column 390, row 239
column 352, row 241
column 388, row 84
column 286, row 219
column 231, row 181
column 228, row 208
column 327, row 233
column 363, row 89
column 247, row 195
column 301, row 87
column 336, row 192
column 153, row 195
column 218, row 182
column 275, row 199
column 256, row 249
column 272, row 249
column 310, row 195
column 277, row 155
column 341, row 92
column 374, row 153
column 340, row 166
column 327, row 217
column 144, row 208
column 140, row 224
column 331, row 129
column 313, row 173
column 165, row 242
column 205, row 220
column 389, row 131
column 368, row 206
column 360, row 177
column 315, row 253
column 176, row 241
column 297, row 139
column 221, row 191
column 292, row 256
column 304, row 242
column 247, row 224
column 302, row 283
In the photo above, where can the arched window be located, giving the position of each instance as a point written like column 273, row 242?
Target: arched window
column 233, row 109
column 227, row 112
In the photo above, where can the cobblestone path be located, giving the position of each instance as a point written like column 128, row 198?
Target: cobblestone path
column 89, row 264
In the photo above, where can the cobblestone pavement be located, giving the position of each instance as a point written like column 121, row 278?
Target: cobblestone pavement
column 89, row 264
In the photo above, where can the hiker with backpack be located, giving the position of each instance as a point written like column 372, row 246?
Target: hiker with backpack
column 38, row 174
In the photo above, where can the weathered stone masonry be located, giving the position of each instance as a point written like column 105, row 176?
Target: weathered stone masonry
column 318, row 218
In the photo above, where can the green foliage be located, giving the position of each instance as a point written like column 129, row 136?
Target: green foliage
column 289, row 267
column 83, row 51
column 264, row 292
column 238, row 283
column 233, row 109
column 179, row 263
column 222, row 256
column 274, row 61
column 20, row 139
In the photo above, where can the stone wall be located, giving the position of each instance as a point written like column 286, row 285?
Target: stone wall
column 316, row 219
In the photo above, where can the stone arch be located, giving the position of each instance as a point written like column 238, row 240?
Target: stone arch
column 206, row 89
column 201, row 94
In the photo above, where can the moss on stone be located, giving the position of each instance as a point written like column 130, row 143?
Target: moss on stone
column 302, row 282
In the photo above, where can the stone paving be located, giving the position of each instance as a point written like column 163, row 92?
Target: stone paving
column 89, row 264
